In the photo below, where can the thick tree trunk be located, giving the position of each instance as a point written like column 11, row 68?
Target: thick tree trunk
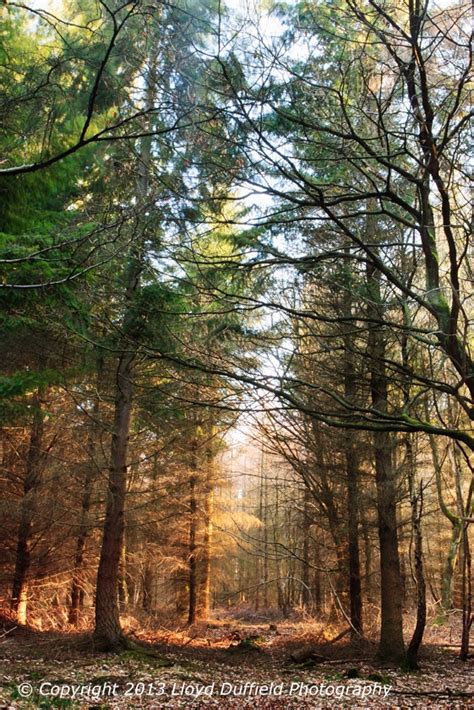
column 108, row 632
column 391, row 644
column 19, row 598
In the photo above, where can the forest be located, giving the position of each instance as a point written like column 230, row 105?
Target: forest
column 237, row 356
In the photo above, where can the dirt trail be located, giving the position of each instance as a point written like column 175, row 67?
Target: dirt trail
column 227, row 663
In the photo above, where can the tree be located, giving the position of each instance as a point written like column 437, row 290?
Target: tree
column 149, row 200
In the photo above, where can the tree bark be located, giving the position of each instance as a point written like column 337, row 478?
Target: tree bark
column 417, row 511
column 391, row 644
column 108, row 632
column 352, row 482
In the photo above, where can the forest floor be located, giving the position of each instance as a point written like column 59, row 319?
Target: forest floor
column 227, row 663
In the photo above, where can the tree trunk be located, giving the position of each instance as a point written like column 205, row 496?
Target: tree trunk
column 19, row 598
column 417, row 511
column 108, row 632
column 391, row 644
column 355, row 593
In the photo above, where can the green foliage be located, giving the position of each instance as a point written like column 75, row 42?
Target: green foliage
column 20, row 383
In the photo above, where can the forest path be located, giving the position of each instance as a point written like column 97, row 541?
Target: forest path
column 224, row 664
